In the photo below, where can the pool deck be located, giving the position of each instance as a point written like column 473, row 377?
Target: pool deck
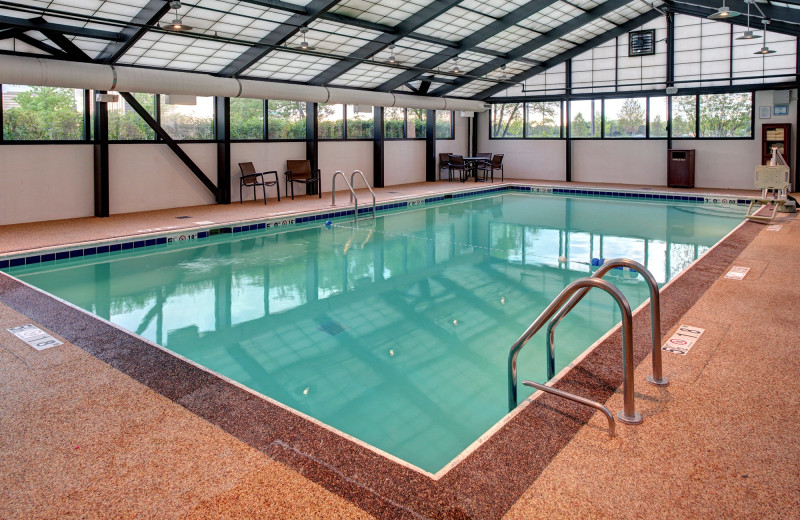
column 81, row 439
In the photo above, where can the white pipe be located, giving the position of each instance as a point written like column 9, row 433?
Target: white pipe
column 23, row 70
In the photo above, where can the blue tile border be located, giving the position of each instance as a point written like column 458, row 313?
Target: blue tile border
column 279, row 223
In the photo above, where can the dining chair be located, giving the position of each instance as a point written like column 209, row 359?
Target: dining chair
column 250, row 177
column 495, row 164
column 300, row 171
column 444, row 160
column 456, row 162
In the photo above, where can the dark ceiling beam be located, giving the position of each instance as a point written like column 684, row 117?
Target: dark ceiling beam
column 148, row 16
column 575, row 51
column 772, row 12
column 534, row 44
column 30, row 24
column 9, row 33
column 73, row 51
column 277, row 4
column 42, row 46
column 401, row 30
column 280, row 35
column 775, row 26
column 469, row 42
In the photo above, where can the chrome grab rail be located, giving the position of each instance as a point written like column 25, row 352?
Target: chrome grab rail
column 577, row 399
column 655, row 318
column 349, row 187
column 352, row 184
column 628, row 413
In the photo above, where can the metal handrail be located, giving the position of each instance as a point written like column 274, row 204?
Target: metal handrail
column 628, row 413
column 577, row 399
column 655, row 318
column 349, row 186
column 352, row 183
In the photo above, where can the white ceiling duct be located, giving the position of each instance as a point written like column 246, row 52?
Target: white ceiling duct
column 23, row 70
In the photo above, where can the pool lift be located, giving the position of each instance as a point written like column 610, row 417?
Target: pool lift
column 353, row 196
column 773, row 180
column 561, row 306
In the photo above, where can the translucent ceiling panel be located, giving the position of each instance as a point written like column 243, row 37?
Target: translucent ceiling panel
column 547, row 83
column 509, row 39
column 688, row 49
column 493, row 7
column 747, row 65
column 593, row 70
column 471, row 88
column 551, row 17
column 366, row 76
column 702, row 51
column 455, row 24
column 229, row 18
column 386, row 12
column 336, row 38
column 410, row 51
column 289, row 66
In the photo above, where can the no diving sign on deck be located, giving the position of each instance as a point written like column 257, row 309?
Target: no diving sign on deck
column 683, row 339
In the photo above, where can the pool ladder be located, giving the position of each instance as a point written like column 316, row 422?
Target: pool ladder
column 353, row 195
column 562, row 305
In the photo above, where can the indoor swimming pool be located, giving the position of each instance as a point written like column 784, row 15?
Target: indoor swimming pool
column 396, row 330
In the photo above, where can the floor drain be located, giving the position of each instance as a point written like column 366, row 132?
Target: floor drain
column 331, row 327
column 185, row 216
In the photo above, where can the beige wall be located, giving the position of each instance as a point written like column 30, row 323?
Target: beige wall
column 45, row 182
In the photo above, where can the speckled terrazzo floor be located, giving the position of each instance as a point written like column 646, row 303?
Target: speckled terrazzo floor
column 164, row 440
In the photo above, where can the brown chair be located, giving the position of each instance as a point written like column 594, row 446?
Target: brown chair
column 250, row 177
column 444, row 161
column 300, row 171
column 490, row 167
column 457, row 163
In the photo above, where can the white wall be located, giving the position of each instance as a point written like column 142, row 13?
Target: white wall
column 45, row 182
column 720, row 163
column 403, row 162
column 265, row 157
column 145, row 177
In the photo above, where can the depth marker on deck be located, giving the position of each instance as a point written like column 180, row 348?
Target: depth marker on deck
column 737, row 273
column 34, row 336
column 774, row 227
column 683, row 339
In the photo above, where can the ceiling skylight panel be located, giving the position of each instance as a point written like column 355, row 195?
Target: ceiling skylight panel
column 119, row 10
column 510, row 38
column 455, row 24
column 418, row 45
column 471, row 88
column 492, row 7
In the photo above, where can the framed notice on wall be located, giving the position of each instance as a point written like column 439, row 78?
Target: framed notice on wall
column 764, row 112
column 781, row 110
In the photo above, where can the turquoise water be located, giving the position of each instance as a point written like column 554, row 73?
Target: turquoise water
column 397, row 332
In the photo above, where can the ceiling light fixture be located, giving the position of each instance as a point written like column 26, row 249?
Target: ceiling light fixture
column 177, row 24
column 304, row 45
column 456, row 70
column 392, row 57
column 765, row 49
column 723, row 13
column 748, row 34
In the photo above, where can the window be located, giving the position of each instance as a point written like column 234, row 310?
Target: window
column 658, row 116
column 585, row 118
column 415, row 123
column 507, row 120
column 684, row 120
column 359, row 124
column 625, row 117
column 444, row 124
column 247, row 118
column 543, row 119
column 188, row 122
column 42, row 113
column 125, row 124
column 331, row 121
column 726, row 115
column 394, row 120
column 286, row 119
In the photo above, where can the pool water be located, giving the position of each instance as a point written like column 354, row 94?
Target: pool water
column 396, row 332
